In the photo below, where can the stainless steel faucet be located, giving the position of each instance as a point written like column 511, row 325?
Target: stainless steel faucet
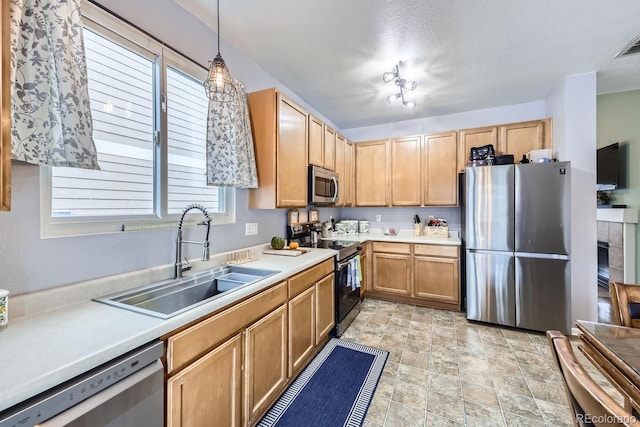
column 177, row 267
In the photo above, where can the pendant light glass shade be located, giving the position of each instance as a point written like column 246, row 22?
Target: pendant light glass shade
column 219, row 85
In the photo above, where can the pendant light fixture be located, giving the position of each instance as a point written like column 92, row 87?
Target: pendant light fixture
column 403, row 85
column 219, row 85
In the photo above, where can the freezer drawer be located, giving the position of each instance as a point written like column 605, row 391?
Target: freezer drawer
column 543, row 294
column 490, row 287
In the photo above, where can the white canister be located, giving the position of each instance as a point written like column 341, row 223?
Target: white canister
column 4, row 308
column 363, row 226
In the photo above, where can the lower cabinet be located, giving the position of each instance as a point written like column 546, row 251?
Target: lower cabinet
column 265, row 362
column 229, row 368
column 302, row 338
column 209, row 389
column 420, row 274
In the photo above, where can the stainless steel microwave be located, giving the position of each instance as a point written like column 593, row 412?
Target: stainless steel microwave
column 323, row 186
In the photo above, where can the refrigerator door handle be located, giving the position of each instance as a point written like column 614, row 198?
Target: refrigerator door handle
column 488, row 252
column 542, row 256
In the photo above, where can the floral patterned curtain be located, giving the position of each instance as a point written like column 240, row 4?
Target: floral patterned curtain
column 50, row 100
column 231, row 160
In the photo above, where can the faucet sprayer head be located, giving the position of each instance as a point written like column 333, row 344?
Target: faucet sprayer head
column 205, row 251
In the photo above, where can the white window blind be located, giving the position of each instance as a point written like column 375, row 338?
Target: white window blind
column 122, row 104
column 187, row 107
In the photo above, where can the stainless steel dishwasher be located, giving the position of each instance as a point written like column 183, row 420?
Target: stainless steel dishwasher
column 125, row 392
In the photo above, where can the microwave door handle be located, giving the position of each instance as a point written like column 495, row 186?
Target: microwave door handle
column 335, row 194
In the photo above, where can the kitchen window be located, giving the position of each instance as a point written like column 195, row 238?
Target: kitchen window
column 149, row 112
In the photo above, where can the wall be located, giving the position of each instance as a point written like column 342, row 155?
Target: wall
column 29, row 263
column 618, row 122
column 573, row 107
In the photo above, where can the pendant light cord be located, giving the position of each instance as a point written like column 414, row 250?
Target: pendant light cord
column 218, row 2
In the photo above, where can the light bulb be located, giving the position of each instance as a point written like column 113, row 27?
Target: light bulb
column 388, row 76
column 410, row 104
column 410, row 85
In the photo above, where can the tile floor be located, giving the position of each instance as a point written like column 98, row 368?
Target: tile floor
column 446, row 371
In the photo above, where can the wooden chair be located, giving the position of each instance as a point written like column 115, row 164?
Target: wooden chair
column 589, row 403
column 625, row 303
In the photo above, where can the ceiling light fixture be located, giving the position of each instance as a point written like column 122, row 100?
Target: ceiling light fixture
column 403, row 85
column 219, row 85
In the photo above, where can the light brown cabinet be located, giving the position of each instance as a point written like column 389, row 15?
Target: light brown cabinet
column 280, row 132
column 420, row 274
column 265, row 363
column 405, row 171
column 340, row 146
column 311, row 313
column 392, row 268
column 329, row 148
column 511, row 138
column 209, row 389
column 301, row 329
column 347, row 181
column 5, row 113
column 439, row 174
column 477, row 137
column 372, row 162
column 316, row 141
column 436, row 272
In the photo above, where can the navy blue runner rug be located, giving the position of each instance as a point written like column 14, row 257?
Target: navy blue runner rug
column 334, row 390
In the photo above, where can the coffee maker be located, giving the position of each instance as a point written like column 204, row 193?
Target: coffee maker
column 306, row 234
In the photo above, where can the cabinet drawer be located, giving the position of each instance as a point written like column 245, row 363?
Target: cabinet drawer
column 304, row 280
column 392, row 248
column 190, row 344
column 436, row 250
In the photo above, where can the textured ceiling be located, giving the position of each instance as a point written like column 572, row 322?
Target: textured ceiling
column 464, row 54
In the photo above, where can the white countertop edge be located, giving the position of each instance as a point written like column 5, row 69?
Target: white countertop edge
column 38, row 353
column 403, row 236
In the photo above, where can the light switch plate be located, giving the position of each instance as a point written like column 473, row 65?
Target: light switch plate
column 378, row 218
column 250, row 228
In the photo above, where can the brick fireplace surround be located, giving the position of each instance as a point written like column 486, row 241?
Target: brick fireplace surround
column 618, row 228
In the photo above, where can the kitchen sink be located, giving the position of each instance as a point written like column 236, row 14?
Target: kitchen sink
column 168, row 298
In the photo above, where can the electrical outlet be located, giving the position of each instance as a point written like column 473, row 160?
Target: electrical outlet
column 250, row 228
column 378, row 218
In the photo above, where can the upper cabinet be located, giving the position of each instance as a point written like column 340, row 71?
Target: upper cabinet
column 477, row 137
column 341, row 169
column 513, row 138
column 280, row 132
column 439, row 173
column 5, row 115
column 316, row 141
column 329, row 148
column 322, row 144
column 405, row 171
column 372, row 173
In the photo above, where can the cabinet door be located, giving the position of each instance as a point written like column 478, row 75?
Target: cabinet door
column 439, row 173
column 436, row 279
column 325, row 307
column 347, row 181
column 301, row 329
column 291, row 158
column 340, row 169
column 316, row 141
column 209, row 391
column 372, row 173
column 265, row 362
column 392, row 273
column 520, row 138
column 405, row 172
column 477, row 137
column 329, row 148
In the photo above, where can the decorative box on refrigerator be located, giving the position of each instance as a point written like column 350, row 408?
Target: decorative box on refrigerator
column 517, row 231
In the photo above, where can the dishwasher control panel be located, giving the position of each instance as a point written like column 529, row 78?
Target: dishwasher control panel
column 58, row 399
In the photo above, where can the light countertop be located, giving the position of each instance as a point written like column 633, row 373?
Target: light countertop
column 40, row 351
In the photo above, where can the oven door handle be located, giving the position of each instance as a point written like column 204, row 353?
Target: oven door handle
column 345, row 263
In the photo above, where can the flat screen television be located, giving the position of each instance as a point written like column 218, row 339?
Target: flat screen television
column 608, row 167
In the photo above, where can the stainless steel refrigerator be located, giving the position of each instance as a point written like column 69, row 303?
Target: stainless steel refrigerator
column 517, row 237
